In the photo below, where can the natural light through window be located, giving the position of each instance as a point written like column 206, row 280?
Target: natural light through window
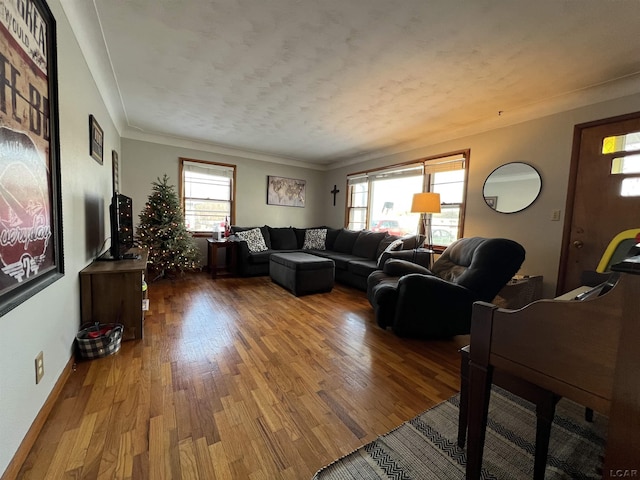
column 207, row 195
column 624, row 165
column 621, row 143
column 630, row 187
column 380, row 200
column 391, row 203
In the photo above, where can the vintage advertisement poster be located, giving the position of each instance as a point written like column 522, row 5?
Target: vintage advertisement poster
column 26, row 199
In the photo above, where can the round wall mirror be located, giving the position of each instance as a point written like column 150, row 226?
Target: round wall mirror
column 512, row 187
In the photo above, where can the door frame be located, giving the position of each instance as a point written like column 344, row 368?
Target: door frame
column 571, row 188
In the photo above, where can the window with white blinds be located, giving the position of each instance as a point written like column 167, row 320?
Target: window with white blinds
column 380, row 200
column 207, row 194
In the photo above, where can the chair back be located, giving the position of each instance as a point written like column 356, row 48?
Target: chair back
column 482, row 265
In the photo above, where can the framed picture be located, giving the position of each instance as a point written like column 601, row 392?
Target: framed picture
column 491, row 201
column 288, row 192
column 96, row 139
column 31, row 253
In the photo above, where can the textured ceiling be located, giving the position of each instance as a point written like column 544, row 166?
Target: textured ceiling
column 323, row 81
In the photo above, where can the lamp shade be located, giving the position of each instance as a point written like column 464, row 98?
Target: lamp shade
column 426, row 202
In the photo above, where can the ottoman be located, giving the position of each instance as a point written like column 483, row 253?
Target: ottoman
column 301, row 273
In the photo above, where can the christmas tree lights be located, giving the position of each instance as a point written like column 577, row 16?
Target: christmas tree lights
column 161, row 230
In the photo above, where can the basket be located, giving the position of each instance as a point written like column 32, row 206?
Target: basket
column 99, row 339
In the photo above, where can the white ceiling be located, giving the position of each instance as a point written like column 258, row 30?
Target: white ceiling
column 323, row 81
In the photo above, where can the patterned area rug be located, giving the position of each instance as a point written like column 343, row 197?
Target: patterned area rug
column 426, row 448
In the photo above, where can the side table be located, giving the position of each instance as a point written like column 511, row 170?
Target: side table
column 423, row 256
column 229, row 266
column 520, row 291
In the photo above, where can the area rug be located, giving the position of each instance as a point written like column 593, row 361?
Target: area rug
column 426, row 446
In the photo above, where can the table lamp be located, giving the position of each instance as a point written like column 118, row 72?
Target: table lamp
column 425, row 204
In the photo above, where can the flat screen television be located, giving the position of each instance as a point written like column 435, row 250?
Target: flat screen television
column 121, row 219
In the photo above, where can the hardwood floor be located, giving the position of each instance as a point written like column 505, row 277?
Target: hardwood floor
column 238, row 379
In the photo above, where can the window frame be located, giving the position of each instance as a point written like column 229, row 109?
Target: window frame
column 205, row 163
column 427, row 186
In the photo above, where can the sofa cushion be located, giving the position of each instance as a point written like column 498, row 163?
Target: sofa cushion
column 362, row 268
column 366, row 245
column 258, row 258
column 283, row 238
column 332, row 234
column 345, row 240
column 314, row 239
column 341, row 260
column 299, row 232
column 264, row 230
column 254, row 238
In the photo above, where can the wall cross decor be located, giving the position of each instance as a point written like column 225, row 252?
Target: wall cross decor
column 334, row 192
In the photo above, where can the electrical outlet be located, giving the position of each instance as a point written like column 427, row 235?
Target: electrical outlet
column 39, row 367
column 555, row 215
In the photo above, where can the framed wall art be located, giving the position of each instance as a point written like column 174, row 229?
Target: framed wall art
column 31, row 253
column 288, row 192
column 491, row 201
column 96, row 139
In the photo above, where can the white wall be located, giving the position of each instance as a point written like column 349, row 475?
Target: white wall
column 544, row 143
column 49, row 320
column 146, row 161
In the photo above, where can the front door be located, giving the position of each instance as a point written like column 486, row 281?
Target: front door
column 604, row 193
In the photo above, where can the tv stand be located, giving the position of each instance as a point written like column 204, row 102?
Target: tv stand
column 111, row 292
column 129, row 255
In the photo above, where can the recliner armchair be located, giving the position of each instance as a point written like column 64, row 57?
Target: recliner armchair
column 436, row 303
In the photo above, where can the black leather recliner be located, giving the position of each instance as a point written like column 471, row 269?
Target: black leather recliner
column 436, row 303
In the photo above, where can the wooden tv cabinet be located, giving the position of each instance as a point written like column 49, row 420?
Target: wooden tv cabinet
column 111, row 292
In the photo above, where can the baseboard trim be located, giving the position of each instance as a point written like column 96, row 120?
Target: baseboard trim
column 11, row 473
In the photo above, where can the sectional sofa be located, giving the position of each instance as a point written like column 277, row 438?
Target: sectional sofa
column 356, row 254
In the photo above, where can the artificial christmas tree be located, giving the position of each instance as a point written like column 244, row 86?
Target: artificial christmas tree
column 162, row 231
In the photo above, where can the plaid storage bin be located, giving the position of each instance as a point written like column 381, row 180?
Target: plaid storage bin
column 99, row 339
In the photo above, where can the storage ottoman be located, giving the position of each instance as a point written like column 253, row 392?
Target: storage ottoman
column 301, row 273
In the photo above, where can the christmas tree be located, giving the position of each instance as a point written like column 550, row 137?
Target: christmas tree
column 162, row 231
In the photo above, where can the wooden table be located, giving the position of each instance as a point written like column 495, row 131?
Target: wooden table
column 229, row 266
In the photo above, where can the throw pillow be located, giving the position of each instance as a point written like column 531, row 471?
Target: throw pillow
column 314, row 239
column 392, row 247
column 254, row 239
column 411, row 241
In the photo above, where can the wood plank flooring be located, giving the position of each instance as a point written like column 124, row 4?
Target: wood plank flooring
column 238, row 379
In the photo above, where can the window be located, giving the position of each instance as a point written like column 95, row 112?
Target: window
column 358, row 201
column 380, row 200
column 614, row 148
column 447, row 176
column 208, row 191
